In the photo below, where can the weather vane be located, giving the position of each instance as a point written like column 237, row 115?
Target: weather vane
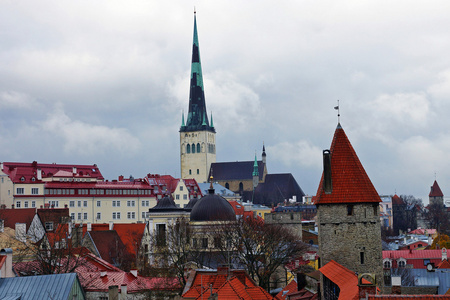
column 337, row 108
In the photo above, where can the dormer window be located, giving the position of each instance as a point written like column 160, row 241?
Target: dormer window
column 387, row 263
column 48, row 226
column 22, row 179
column 33, row 179
column 401, row 262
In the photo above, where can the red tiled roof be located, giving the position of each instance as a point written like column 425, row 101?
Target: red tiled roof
column 414, row 254
column 435, row 190
column 13, row 216
column 16, row 171
column 108, row 244
column 344, row 278
column 395, row 297
column 396, row 200
column 444, row 264
column 55, row 215
column 349, row 179
column 238, row 208
column 131, row 235
column 290, row 288
column 422, row 231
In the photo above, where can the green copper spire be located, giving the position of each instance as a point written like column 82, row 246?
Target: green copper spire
column 212, row 125
column 255, row 168
column 197, row 118
column 182, row 119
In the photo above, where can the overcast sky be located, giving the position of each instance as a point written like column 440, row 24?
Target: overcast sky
column 106, row 81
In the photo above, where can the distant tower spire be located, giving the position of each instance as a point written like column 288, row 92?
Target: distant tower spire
column 264, row 154
column 255, row 173
column 197, row 117
column 212, row 125
column 182, row 119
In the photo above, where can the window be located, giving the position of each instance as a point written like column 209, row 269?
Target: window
column 130, row 203
column 349, row 210
column 185, row 196
column 48, row 226
column 99, row 203
column 181, row 188
column 99, row 216
column 85, row 216
column 375, row 210
column 79, row 203
column 20, row 191
column 198, row 171
column 177, row 197
column 34, row 191
column 33, row 204
column 387, row 264
column 361, row 257
column 72, row 216
column 227, row 186
column 145, row 203
column 54, row 203
column 144, row 215
column 116, row 215
column 190, row 172
column 193, row 148
column 71, row 203
column 25, row 204
column 17, row 204
column 160, row 234
column 85, row 203
column 118, row 203
column 204, row 243
column 79, row 216
column 188, row 148
column 131, row 215
column 198, row 148
column 401, row 263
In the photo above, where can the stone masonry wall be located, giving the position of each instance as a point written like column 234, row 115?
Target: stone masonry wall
column 352, row 240
column 292, row 220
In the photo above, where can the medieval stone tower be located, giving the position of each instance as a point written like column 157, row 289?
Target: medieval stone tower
column 348, row 211
column 197, row 136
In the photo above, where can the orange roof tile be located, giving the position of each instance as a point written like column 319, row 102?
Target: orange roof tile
column 444, row 264
column 349, row 179
column 435, row 190
column 344, row 278
column 291, row 287
column 131, row 235
column 421, row 297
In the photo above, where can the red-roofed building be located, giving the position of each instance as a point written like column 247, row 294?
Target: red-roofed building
column 348, row 211
column 84, row 191
column 226, row 283
column 436, row 195
column 291, row 292
column 416, row 259
column 342, row 284
column 97, row 276
column 407, row 297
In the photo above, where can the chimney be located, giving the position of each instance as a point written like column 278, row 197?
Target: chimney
column 444, row 254
column 74, row 170
column 103, row 273
column 123, row 291
column 1, row 166
column 111, row 225
column 89, row 226
column 134, row 272
column 121, row 178
column 327, row 184
column 8, row 263
column 39, row 174
column 396, row 285
column 113, row 292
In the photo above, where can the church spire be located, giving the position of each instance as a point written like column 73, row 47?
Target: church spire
column 197, row 118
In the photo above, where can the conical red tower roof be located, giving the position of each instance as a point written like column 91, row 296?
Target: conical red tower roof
column 350, row 183
column 435, row 190
column 396, row 200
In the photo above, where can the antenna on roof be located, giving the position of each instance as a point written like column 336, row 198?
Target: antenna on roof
column 337, row 108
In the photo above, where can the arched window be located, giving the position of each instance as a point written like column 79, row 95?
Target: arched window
column 401, row 262
column 188, row 148
column 387, row 264
column 241, row 186
column 227, row 185
column 193, row 148
column 198, row 148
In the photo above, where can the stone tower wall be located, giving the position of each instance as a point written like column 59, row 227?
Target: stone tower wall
column 200, row 161
column 292, row 220
column 345, row 237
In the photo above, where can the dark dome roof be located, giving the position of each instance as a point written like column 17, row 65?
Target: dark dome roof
column 165, row 203
column 192, row 203
column 212, row 208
